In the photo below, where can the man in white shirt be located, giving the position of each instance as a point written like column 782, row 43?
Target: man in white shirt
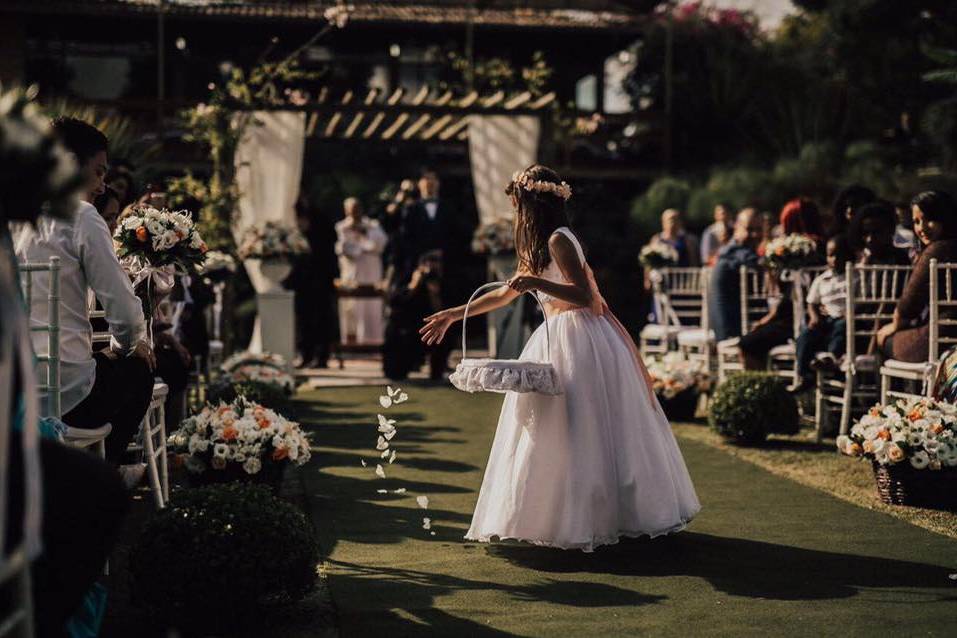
column 113, row 386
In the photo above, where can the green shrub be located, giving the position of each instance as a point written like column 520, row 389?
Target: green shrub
column 664, row 193
column 268, row 395
column 749, row 406
column 218, row 554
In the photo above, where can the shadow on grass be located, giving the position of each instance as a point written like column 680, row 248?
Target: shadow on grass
column 739, row 567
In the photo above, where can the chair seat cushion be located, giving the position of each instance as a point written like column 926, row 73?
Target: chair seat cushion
column 695, row 337
column 729, row 344
column 919, row 367
column 787, row 350
column 659, row 331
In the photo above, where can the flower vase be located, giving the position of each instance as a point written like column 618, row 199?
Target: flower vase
column 272, row 271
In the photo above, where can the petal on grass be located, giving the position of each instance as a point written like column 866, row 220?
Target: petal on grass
column 385, row 402
column 423, row 501
column 426, row 523
column 379, row 471
column 392, row 458
column 381, row 444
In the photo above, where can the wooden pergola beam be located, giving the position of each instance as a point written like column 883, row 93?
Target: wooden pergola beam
column 518, row 100
column 416, row 126
column 436, row 126
column 443, row 99
column 468, row 100
column 333, row 122
column 353, row 125
column 493, row 99
column 373, row 125
column 543, row 101
column 420, row 97
column 395, row 97
column 455, row 129
column 390, row 132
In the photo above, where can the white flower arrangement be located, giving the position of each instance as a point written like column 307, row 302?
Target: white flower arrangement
column 790, row 252
column 494, row 238
column 272, row 240
column 263, row 367
column 673, row 373
column 257, row 358
column 218, row 262
column 658, row 255
column 241, row 433
column 160, row 237
column 921, row 431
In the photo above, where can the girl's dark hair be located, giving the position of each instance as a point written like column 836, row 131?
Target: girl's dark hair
column 881, row 210
column 538, row 215
column 940, row 207
column 851, row 197
column 104, row 198
column 843, row 246
column 82, row 139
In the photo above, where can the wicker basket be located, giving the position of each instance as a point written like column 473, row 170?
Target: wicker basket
column 903, row 485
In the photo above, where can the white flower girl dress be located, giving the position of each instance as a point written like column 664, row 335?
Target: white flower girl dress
column 599, row 461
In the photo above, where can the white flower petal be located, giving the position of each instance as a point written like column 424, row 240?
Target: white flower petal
column 381, row 444
column 423, row 501
column 385, row 401
column 385, row 454
column 392, row 458
column 401, row 490
column 382, row 491
column 379, row 471
column 390, row 434
column 363, row 461
column 426, row 523
column 402, row 398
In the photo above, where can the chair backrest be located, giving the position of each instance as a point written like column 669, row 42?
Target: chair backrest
column 98, row 336
column 943, row 308
column 681, row 295
column 754, row 296
column 49, row 363
column 872, row 294
column 803, row 279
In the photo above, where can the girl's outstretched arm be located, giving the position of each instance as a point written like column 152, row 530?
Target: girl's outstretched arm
column 437, row 325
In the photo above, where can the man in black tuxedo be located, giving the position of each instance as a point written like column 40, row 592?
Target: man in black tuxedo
column 430, row 225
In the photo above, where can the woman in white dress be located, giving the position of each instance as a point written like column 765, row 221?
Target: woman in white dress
column 360, row 244
column 599, row 461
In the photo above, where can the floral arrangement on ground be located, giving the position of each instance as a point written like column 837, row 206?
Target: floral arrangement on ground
column 920, row 431
column 272, row 240
column 267, row 368
column 239, row 434
column 674, row 373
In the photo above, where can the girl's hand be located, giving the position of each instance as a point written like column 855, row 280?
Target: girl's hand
column 523, row 283
column 436, row 326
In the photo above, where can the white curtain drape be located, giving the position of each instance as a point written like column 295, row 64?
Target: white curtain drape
column 268, row 173
column 500, row 145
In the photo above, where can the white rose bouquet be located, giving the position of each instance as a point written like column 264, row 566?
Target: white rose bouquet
column 920, row 431
column 494, row 238
column 266, row 368
column 159, row 237
column 272, row 240
column 790, row 252
column 218, row 265
column 658, row 255
column 673, row 373
column 240, row 434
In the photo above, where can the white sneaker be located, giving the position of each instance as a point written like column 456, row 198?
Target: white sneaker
column 132, row 474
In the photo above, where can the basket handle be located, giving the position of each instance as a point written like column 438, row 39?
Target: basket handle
column 493, row 284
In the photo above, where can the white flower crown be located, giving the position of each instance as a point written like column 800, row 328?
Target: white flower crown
column 522, row 180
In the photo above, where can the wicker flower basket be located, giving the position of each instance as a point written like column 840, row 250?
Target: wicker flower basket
column 903, row 485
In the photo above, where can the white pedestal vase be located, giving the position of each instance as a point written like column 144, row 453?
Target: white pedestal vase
column 278, row 333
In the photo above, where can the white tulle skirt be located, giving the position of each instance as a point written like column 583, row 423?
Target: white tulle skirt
column 586, row 467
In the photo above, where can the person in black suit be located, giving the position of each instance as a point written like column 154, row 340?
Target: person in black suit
column 430, row 225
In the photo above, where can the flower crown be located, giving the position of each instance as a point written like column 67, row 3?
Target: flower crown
column 523, row 181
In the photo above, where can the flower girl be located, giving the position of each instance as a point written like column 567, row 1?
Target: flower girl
column 599, row 461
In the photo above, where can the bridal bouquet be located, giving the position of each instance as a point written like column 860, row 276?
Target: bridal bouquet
column 272, row 240
column 673, row 374
column 159, row 237
column 494, row 238
column 920, row 431
column 658, row 255
column 241, row 434
column 790, row 252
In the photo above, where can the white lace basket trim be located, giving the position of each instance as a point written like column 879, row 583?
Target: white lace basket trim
column 506, row 375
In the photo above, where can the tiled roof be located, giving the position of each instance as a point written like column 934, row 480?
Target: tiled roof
column 585, row 14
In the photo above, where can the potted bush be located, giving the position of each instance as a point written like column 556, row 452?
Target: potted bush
column 217, row 555
column 750, row 405
column 239, row 441
column 912, row 446
column 677, row 382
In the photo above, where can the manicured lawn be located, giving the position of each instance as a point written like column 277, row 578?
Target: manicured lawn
column 767, row 555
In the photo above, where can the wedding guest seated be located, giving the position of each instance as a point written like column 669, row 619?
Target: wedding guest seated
column 799, row 216
column 724, row 307
column 107, row 204
column 871, row 233
column 907, row 337
column 673, row 234
column 847, row 201
column 826, row 329
column 403, row 351
column 716, row 235
column 115, row 385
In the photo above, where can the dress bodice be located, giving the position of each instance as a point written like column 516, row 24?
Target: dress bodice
column 553, row 272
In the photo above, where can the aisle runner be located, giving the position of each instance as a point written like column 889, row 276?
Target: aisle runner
column 765, row 552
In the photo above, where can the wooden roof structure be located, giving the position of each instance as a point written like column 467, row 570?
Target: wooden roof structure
column 593, row 15
column 400, row 117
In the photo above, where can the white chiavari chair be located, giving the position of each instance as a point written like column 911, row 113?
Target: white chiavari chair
column 943, row 310
column 872, row 293
column 679, row 297
column 782, row 360
column 753, row 300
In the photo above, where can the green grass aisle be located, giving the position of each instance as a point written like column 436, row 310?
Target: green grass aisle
column 765, row 557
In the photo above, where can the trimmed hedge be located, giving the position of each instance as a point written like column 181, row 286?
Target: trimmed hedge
column 749, row 406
